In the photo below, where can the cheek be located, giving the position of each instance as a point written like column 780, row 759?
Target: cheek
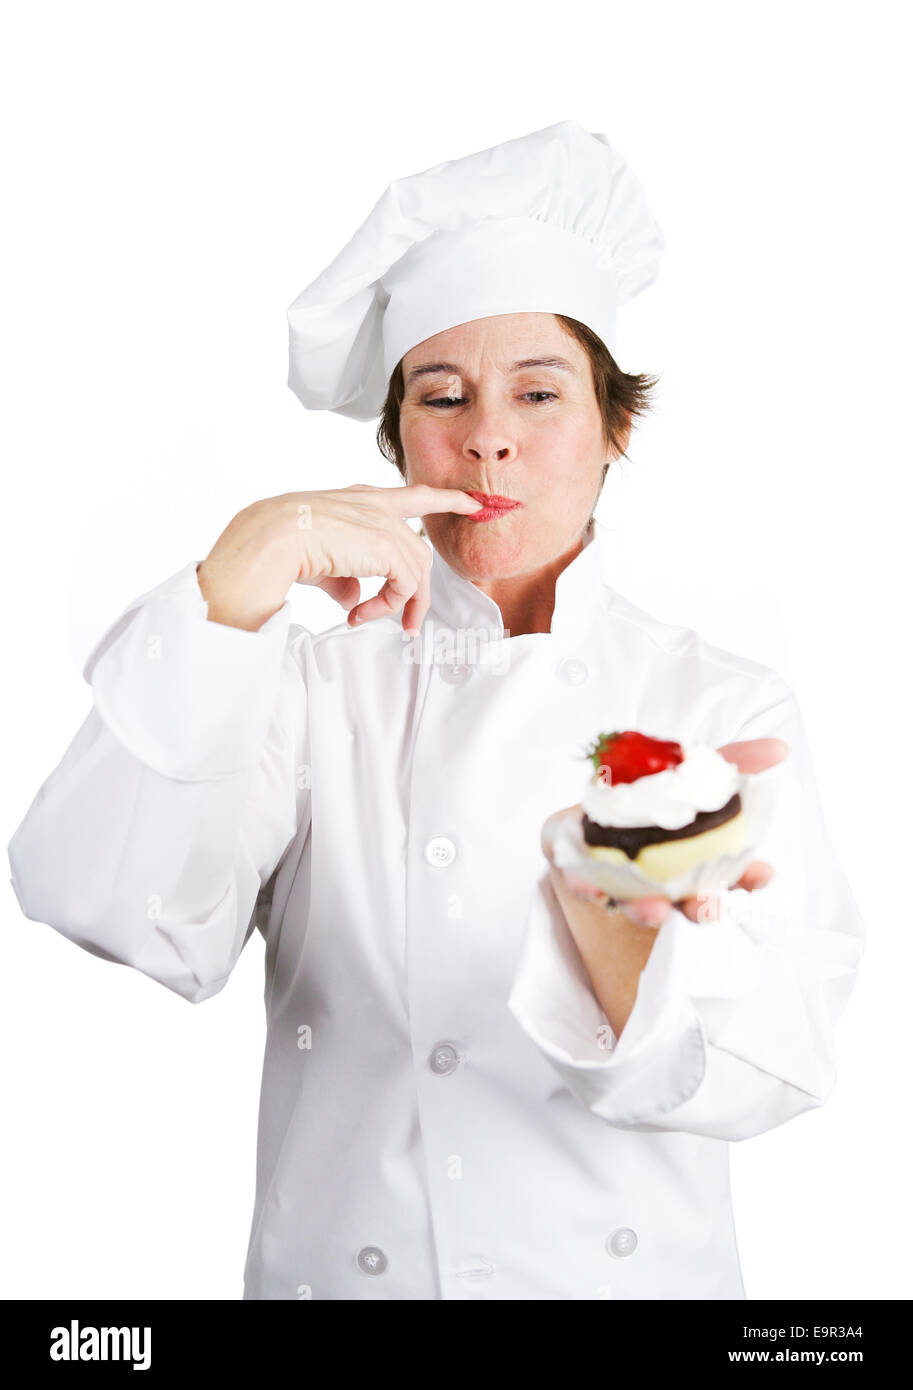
column 429, row 455
column 569, row 459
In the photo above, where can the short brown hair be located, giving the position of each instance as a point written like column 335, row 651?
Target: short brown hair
column 617, row 393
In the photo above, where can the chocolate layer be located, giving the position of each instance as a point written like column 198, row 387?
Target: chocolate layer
column 632, row 838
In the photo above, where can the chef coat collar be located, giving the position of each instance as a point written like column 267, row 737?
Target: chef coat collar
column 457, row 603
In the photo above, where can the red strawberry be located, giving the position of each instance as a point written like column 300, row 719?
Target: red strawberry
column 629, row 755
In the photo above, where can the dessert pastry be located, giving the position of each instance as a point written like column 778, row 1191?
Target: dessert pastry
column 662, row 807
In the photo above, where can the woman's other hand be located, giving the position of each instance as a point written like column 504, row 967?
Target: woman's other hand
column 580, row 900
column 330, row 539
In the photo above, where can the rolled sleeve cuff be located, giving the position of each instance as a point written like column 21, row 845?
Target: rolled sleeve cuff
column 660, row 1060
column 190, row 698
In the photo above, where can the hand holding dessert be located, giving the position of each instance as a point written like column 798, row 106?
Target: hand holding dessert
column 655, row 815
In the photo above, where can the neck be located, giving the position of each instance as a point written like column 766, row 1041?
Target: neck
column 527, row 601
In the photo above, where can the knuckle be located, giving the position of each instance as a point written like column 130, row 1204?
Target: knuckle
column 254, row 510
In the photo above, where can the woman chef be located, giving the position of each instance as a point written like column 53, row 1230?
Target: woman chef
column 476, row 1085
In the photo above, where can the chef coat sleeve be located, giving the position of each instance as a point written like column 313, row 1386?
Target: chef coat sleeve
column 151, row 841
column 731, row 1033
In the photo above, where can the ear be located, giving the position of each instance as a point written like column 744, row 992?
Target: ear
column 612, row 454
column 626, row 434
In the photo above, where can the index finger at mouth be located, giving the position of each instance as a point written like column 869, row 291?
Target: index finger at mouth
column 419, row 499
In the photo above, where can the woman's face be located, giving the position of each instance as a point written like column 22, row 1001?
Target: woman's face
column 475, row 417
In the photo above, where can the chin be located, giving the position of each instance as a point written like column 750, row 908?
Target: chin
column 487, row 549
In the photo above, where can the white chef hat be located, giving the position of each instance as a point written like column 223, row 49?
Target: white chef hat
column 552, row 222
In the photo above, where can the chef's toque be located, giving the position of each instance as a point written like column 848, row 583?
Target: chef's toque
column 552, row 222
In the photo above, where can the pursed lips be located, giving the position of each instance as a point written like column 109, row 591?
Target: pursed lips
column 493, row 505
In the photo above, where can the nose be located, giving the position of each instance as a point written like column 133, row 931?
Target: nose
column 488, row 440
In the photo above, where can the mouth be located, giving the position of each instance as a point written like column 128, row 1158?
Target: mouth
column 493, row 505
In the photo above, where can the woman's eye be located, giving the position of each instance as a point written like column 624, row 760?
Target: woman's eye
column 442, row 402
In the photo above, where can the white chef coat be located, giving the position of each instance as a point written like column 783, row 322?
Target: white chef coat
column 445, row 1112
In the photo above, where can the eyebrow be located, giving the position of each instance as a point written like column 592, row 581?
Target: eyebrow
column 431, row 367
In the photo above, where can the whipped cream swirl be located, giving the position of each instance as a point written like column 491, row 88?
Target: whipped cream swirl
column 703, row 781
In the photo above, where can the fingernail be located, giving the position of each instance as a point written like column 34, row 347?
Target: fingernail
column 648, row 916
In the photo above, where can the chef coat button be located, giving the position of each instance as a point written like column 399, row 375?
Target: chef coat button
column 455, row 675
column 371, row 1260
column 573, row 671
column 622, row 1242
column 440, row 851
column 444, row 1059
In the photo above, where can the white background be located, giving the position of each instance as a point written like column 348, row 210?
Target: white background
column 174, row 175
